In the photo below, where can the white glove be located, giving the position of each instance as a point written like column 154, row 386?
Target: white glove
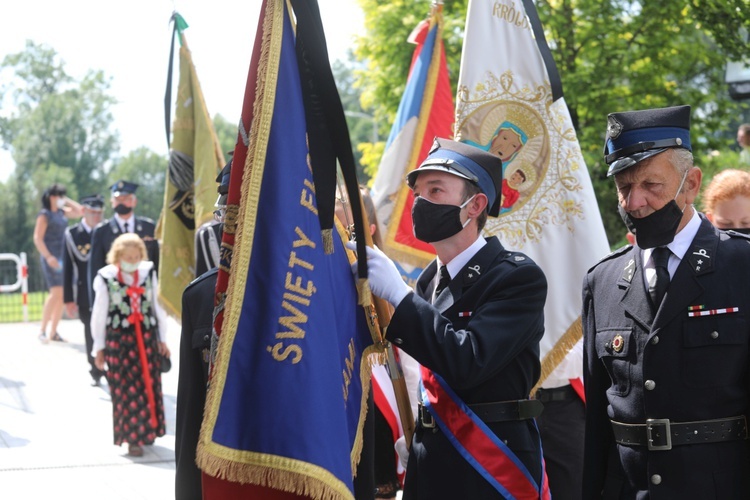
column 385, row 280
column 402, row 450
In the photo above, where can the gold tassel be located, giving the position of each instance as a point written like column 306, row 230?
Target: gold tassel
column 363, row 291
column 327, row 235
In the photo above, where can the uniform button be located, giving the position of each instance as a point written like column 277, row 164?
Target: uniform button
column 205, row 338
column 656, row 479
column 714, row 334
column 650, row 385
column 655, row 340
column 398, row 341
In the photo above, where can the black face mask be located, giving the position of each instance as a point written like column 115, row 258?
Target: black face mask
column 657, row 229
column 741, row 230
column 123, row 209
column 435, row 222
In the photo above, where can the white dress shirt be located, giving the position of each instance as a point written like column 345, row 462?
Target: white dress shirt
column 678, row 247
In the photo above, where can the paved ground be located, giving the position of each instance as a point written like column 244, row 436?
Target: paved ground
column 56, row 429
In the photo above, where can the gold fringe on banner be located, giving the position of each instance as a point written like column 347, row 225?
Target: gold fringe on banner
column 555, row 356
column 214, row 459
column 245, row 467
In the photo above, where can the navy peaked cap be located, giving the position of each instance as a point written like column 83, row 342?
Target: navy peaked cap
column 633, row 136
column 223, row 177
column 123, row 187
column 468, row 162
column 93, row 201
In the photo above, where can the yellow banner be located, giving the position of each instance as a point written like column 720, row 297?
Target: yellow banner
column 191, row 190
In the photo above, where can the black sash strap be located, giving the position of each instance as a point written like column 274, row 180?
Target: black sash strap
column 501, row 411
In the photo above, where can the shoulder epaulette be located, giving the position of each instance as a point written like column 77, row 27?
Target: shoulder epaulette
column 202, row 277
column 736, row 234
column 613, row 254
column 517, row 258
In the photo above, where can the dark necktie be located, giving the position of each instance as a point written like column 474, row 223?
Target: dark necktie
column 661, row 282
column 445, row 278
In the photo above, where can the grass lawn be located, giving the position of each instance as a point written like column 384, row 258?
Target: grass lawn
column 11, row 307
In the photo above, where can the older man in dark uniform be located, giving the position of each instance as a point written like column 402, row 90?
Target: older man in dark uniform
column 75, row 277
column 666, row 335
column 474, row 324
column 123, row 201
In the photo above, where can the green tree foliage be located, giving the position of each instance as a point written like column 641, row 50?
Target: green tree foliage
column 51, row 119
column 364, row 129
column 149, row 171
column 57, row 129
column 227, row 134
column 612, row 55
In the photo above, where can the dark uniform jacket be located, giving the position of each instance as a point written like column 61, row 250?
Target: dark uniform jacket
column 642, row 366
column 105, row 233
column 488, row 356
column 195, row 344
column 75, row 264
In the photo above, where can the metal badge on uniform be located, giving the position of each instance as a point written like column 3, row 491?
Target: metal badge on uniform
column 700, row 260
column 618, row 343
column 627, row 273
column 472, row 274
column 700, row 310
column 519, row 258
column 614, row 127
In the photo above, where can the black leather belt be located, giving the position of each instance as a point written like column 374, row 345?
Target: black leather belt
column 501, row 411
column 563, row 393
column 660, row 434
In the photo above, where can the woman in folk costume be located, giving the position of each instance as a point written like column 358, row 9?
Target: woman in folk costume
column 129, row 331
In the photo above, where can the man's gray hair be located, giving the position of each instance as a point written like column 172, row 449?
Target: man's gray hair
column 681, row 159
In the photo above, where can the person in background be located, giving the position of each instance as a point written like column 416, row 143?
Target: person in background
column 49, row 230
column 75, row 262
column 665, row 333
column 726, row 200
column 195, row 349
column 473, row 322
column 129, row 329
column 562, row 425
column 124, row 202
column 743, row 139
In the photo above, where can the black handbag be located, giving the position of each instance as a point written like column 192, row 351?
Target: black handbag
column 166, row 363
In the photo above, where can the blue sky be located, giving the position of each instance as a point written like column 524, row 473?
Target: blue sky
column 129, row 41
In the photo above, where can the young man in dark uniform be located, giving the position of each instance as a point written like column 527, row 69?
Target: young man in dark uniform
column 123, row 201
column 75, row 277
column 666, row 332
column 475, row 332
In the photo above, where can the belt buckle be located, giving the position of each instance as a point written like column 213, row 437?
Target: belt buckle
column 425, row 417
column 650, row 424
